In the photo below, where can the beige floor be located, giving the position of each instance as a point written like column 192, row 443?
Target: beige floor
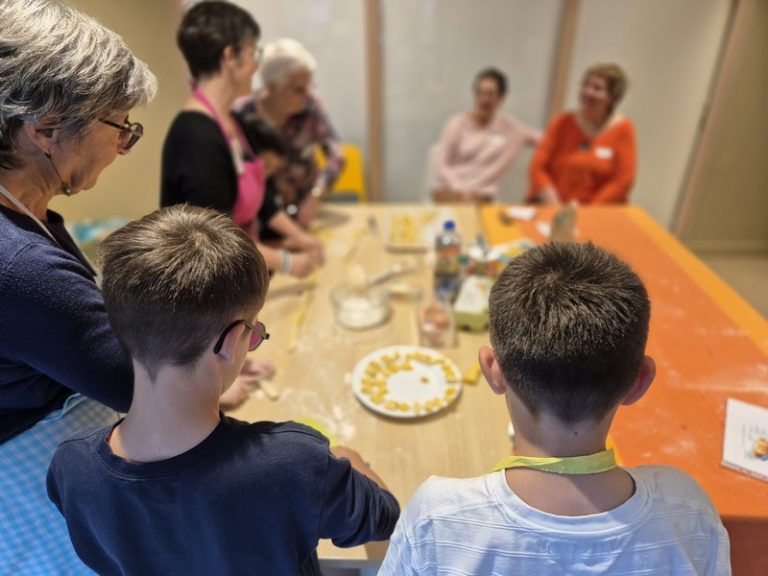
column 747, row 274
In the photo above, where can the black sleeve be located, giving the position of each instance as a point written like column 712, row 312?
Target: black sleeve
column 272, row 204
column 197, row 166
column 355, row 510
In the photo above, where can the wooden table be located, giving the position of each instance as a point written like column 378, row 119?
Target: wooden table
column 708, row 345
column 464, row 440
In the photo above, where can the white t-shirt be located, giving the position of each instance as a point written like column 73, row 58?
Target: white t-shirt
column 478, row 526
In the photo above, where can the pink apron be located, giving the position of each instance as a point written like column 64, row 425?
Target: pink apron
column 250, row 175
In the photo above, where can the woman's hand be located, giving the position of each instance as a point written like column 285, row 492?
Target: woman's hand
column 302, row 242
column 309, row 208
column 549, row 195
column 303, row 264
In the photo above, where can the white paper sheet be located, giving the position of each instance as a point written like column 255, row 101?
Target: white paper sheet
column 745, row 424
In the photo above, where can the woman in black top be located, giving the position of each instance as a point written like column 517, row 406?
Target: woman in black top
column 207, row 160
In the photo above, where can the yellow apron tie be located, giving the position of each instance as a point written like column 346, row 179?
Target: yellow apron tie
column 589, row 464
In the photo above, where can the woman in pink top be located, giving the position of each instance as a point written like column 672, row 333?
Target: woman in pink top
column 478, row 148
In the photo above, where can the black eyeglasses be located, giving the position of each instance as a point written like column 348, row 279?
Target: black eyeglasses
column 258, row 335
column 130, row 132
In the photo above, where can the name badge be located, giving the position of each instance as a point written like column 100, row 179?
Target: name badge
column 604, row 153
column 496, row 140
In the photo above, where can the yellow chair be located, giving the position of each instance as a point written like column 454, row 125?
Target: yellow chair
column 350, row 185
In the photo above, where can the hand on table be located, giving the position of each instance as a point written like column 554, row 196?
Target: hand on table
column 352, row 455
column 305, row 243
column 549, row 195
column 250, row 378
column 447, row 196
column 303, row 264
column 358, row 464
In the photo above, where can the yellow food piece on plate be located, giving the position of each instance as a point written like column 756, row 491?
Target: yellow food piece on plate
column 391, row 405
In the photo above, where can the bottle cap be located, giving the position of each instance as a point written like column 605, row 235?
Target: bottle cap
column 449, row 225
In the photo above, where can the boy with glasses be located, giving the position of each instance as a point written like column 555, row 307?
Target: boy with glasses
column 176, row 487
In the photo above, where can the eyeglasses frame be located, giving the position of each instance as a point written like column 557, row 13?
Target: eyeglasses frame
column 251, row 327
column 135, row 129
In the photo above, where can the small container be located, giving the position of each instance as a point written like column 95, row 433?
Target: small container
column 436, row 327
column 360, row 307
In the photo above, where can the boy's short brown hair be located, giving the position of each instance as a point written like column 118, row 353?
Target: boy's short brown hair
column 173, row 280
column 568, row 325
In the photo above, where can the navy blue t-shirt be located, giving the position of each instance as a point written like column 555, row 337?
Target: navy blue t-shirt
column 249, row 499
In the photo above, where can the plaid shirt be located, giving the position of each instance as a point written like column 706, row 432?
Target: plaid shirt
column 303, row 132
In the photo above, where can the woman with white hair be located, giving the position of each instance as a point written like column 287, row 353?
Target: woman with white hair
column 68, row 87
column 287, row 101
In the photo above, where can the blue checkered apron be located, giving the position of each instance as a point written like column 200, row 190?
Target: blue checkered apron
column 33, row 535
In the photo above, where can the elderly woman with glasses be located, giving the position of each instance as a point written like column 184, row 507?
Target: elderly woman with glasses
column 68, row 87
column 207, row 159
column 588, row 155
column 288, row 102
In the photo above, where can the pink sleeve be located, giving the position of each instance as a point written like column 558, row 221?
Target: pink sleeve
column 491, row 174
column 446, row 151
column 532, row 136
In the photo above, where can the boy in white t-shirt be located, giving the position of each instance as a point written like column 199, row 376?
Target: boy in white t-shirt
column 569, row 324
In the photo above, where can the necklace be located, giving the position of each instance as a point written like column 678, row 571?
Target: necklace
column 589, row 464
column 15, row 201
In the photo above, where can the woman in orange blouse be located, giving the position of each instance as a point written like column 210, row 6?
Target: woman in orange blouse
column 587, row 155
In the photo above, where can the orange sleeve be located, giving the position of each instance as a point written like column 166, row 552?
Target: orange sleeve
column 539, row 173
column 616, row 190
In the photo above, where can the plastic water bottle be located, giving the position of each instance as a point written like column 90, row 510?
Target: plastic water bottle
column 447, row 266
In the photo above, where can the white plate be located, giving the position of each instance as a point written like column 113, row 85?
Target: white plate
column 414, row 230
column 382, row 382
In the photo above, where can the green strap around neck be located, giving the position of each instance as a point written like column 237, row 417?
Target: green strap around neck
column 589, row 464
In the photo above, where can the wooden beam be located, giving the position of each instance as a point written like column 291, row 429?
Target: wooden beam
column 735, row 38
column 374, row 96
column 561, row 72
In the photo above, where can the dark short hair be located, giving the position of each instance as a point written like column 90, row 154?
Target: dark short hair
column 173, row 280
column 568, row 324
column 208, row 28
column 493, row 74
column 261, row 135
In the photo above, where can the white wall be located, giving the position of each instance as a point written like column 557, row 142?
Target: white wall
column 432, row 50
column 669, row 50
column 334, row 31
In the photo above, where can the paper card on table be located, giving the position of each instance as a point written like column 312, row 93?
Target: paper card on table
column 745, row 446
column 524, row 213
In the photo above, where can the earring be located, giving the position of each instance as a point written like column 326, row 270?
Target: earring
column 65, row 188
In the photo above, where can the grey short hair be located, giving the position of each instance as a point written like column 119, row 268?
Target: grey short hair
column 283, row 58
column 60, row 65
